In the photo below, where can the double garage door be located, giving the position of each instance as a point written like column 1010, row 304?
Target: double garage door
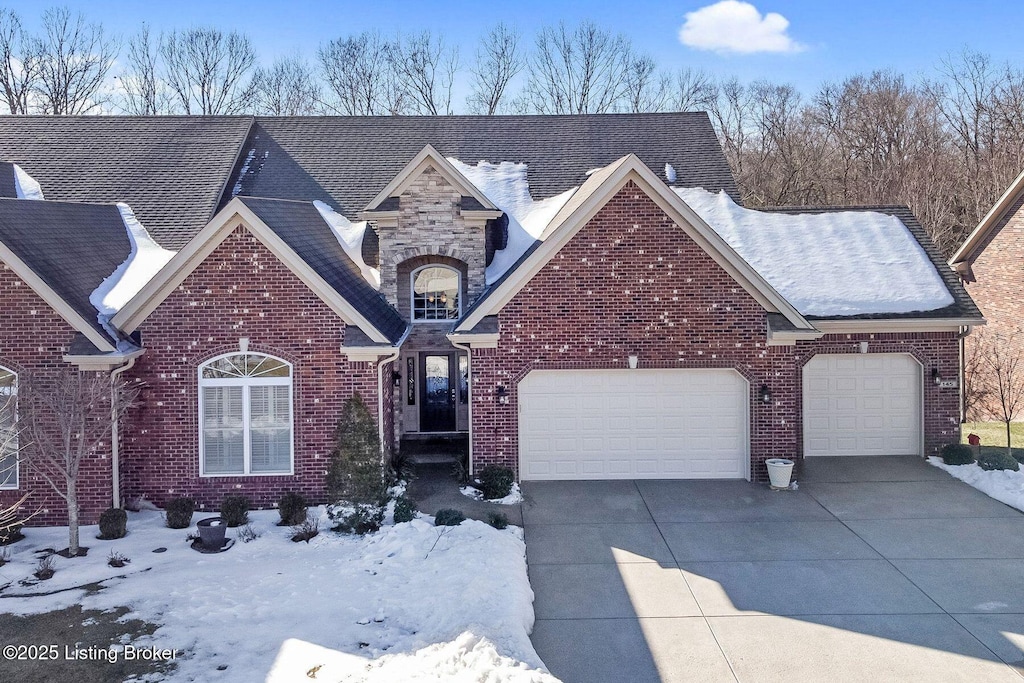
column 633, row 424
column 694, row 424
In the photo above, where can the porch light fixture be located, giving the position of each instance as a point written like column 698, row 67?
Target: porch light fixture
column 501, row 393
column 396, row 377
column 633, row 362
column 765, row 394
column 936, row 377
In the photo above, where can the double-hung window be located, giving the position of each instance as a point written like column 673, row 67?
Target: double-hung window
column 245, row 410
column 8, row 429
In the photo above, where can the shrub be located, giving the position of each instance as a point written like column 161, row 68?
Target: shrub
column 116, row 559
column 449, row 518
column 998, row 460
column 11, row 534
column 355, row 474
column 292, row 508
column 306, row 530
column 362, row 519
column 957, row 454
column 496, row 481
column 178, row 512
column 44, row 570
column 499, row 520
column 401, row 467
column 235, row 510
column 247, row 533
column 113, row 524
column 405, row 509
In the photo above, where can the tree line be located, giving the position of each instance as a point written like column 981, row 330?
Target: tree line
column 946, row 144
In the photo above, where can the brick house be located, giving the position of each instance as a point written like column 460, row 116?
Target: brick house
column 573, row 297
column 989, row 264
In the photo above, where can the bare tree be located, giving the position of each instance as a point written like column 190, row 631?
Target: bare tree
column 68, row 418
column 499, row 59
column 359, row 76
column 207, row 70
column 19, row 70
column 144, row 93
column 576, row 71
column 74, row 59
column 975, row 389
column 690, row 90
column 286, row 88
column 425, row 66
column 1003, row 365
column 645, row 88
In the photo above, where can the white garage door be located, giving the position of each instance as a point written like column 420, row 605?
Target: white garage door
column 633, row 424
column 862, row 404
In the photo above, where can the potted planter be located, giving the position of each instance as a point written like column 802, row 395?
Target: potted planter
column 211, row 532
column 780, row 470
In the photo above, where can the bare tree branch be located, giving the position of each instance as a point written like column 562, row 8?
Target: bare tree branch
column 144, row 92
column 74, row 59
column 287, row 88
column 207, row 70
column 19, row 63
column 499, row 59
column 359, row 76
column 425, row 67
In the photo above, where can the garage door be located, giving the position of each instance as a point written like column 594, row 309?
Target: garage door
column 862, row 404
column 633, row 424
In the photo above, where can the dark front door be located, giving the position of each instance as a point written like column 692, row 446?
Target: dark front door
column 437, row 409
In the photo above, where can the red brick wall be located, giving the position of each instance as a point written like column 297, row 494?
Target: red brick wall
column 240, row 290
column 999, row 273
column 34, row 339
column 632, row 282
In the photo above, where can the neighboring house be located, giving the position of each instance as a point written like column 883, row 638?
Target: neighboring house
column 989, row 263
column 581, row 296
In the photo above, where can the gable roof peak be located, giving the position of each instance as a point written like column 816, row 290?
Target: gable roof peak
column 429, row 157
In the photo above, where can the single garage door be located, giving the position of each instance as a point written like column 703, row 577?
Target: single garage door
column 633, row 424
column 862, row 404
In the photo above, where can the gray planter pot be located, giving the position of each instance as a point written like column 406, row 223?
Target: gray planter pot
column 211, row 532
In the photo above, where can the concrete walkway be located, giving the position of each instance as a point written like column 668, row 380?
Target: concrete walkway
column 876, row 569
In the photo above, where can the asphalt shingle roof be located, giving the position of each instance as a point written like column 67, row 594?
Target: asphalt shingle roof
column 172, row 170
column 962, row 307
column 302, row 228
column 71, row 247
column 346, row 161
column 8, row 187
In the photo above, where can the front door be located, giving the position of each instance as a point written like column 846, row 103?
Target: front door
column 438, row 389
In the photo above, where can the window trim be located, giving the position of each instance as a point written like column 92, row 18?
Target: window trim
column 412, row 294
column 246, row 383
column 6, row 486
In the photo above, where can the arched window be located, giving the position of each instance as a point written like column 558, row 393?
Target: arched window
column 435, row 293
column 8, row 431
column 245, row 411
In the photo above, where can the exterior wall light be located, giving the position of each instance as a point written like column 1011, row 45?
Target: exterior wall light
column 396, row 377
column 501, row 393
column 936, row 377
column 765, row 394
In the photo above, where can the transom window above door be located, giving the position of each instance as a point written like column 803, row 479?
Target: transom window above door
column 435, row 293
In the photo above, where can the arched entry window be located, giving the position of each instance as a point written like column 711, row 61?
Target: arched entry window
column 245, row 412
column 8, row 431
column 435, row 293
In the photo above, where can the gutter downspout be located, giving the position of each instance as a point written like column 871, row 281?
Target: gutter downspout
column 115, row 446
column 469, row 386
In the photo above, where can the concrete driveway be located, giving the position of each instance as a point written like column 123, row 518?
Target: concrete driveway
column 876, row 569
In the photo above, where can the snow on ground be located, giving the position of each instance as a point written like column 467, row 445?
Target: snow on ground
column 506, row 185
column 1003, row 485
column 829, row 264
column 350, row 236
column 412, row 602
column 514, row 497
column 26, row 187
column 143, row 262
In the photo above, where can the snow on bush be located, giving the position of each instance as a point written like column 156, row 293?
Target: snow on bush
column 1006, row 486
column 411, row 602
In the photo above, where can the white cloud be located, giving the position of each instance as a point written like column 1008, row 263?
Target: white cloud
column 734, row 26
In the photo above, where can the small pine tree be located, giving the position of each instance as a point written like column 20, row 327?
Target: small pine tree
column 356, row 472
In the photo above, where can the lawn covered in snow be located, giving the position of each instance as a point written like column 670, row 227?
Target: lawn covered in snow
column 1003, row 485
column 411, row 602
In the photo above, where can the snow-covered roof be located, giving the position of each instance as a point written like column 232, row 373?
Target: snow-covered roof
column 831, row 264
column 506, row 185
column 350, row 237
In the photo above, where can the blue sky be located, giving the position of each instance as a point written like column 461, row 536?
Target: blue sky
column 836, row 39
